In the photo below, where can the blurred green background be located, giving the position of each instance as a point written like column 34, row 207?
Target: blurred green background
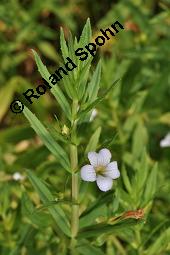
column 137, row 112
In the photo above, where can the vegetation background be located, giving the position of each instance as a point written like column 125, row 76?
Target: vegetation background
column 131, row 121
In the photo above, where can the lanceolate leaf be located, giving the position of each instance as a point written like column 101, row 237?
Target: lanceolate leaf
column 56, row 91
column 90, row 218
column 46, row 197
column 98, row 229
column 82, row 79
column 38, row 218
column 160, row 243
column 47, row 139
column 41, row 67
column 93, row 86
column 69, row 81
column 64, row 48
column 92, row 145
column 126, row 179
column 151, row 184
column 8, row 91
column 92, row 105
column 27, row 233
column 86, row 34
column 104, row 198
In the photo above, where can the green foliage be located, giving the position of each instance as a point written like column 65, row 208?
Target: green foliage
column 92, row 145
column 46, row 196
column 47, row 138
column 132, row 118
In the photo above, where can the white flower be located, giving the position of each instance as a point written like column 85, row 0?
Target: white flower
column 93, row 114
column 18, row 177
column 165, row 142
column 101, row 169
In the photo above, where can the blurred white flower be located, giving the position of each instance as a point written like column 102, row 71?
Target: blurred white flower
column 101, row 169
column 93, row 114
column 18, row 177
column 165, row 142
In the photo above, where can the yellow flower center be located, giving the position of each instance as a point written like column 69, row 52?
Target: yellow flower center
column 100, row 169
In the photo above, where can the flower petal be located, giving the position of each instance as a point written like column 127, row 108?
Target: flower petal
column 165, row 142
column 112, row 170
column 88, row 173
column 104, row 157
column 104, row 183
column 93, row 114
column 93, row 158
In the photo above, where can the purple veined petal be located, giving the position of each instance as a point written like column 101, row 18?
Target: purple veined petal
column 104, row 183
column 93, row 158
column 104, row 157
column 112, row 170
column 88, row 173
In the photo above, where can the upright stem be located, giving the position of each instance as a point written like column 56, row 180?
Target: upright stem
column 75, row 207
column 75, row 184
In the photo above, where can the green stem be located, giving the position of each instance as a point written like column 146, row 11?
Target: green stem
column 75, row 207
column 75, row 184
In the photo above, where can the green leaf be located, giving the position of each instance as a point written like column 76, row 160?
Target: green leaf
column 157, row 228
column 27, row 233
column 88, row 219
column 16, row 134
column 46, row 197
column 71, row 50
column 41, row 67
column 139, row 144
column 82, row 78
column 40, row 219
column 125, row 199
column 126, row 179
column 8, row 90
column 104, row 198
column 47, row 139
column 107, row 143
column 86, row 34
column 69, row 81
column 151, row 184
column 160, row 244
column 90, row 106
column 56, row 91
column 24, row 161
column 57, row 134
column 102, row 228
column 128, row 81
column 92, row 144
column 93, row 86
column 69, row 86
column 140, row 178
column 84, row 66
column 64, row 48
